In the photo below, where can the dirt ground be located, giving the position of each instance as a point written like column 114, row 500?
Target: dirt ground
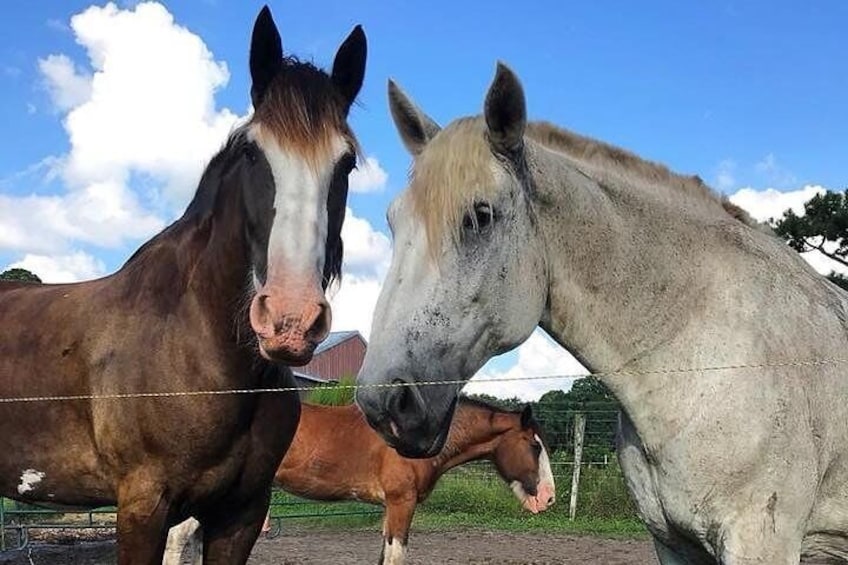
column 354, row 547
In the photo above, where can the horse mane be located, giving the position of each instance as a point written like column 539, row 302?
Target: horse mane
column 454, row 171
column 597, row 152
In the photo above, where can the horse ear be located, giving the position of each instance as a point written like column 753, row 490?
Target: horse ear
column 349, row 65
column 266, row 54
column 526, row 416
column 416, row 128
column 506, row 112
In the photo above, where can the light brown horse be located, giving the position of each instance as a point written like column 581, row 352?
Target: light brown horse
column 335, row 455
column 242, row 272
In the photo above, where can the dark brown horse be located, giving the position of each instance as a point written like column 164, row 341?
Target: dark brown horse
column 336, row 455
column 242, row 272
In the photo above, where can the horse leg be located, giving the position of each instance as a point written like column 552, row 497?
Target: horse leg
column 396, row 525
column 229, row 535
column 142, row 522
column 185, row 533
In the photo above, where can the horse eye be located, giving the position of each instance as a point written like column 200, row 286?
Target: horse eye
column 250, row 152
column 537, row 448
column 483, row 217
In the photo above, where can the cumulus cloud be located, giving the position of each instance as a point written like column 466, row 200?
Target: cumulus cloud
column 770, row 203
column 538, row 356
column 101, row 213
column 77, row 266
column 368, row 176
column 367, row 251
column 141, row 122
column 152, row 102
column 367, row 256
column 764, row 205
column 353, row 304
column 67, row 86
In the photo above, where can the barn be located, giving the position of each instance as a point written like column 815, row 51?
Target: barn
column 338, row 356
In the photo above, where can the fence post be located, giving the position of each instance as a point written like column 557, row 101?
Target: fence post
column 579, row 428
column 2, row 524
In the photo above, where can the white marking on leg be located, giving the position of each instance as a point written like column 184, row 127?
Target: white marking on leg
column 394, row 552
column 29, row 480
column 184, row 533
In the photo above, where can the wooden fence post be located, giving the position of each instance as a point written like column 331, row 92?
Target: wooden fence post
column 579, row 428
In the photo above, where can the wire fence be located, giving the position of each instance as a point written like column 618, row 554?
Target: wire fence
column 452, row 382
column 472, row 489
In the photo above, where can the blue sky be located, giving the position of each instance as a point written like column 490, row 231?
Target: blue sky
column 745, row 94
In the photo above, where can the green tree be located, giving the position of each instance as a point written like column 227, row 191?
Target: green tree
column 556, row 409
column 504, row 403
column 18, row 274
column 823, row 227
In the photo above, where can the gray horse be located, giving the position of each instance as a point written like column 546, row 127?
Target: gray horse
column 507, row 225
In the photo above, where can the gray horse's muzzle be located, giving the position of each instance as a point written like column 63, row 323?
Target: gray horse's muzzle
column 415, row 428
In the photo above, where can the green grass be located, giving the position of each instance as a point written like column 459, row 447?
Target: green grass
column 333, row 395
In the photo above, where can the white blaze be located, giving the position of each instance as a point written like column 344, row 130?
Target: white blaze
column 299, row 229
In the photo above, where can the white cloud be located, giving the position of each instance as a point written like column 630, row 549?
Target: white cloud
column 367, row 251
column 142, row 107
column 103, row 214
column 367, row 254
column 770, row 203
column 538, row 356
column 152, row 103
column 67, row 86
column 765, row 204
column 353, row 304
column 368, row 177
column 74, row 267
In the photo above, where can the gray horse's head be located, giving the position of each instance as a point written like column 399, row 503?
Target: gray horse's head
column 467, row 279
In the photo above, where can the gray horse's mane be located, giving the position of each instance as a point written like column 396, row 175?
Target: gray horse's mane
column 594, row 151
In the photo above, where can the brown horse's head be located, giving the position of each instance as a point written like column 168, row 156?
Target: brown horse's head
column 299, row 151
column 521, row 458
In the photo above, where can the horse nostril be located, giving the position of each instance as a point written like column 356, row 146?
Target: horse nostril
column 320, row 325
column 551, row 501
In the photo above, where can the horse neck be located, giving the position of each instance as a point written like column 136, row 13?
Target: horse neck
column 473, row 436
column 638, row 264
column 201, row 256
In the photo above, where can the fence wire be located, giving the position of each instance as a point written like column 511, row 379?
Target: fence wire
column 451, row 382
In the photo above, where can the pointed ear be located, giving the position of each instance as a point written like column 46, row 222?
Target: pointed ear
column 266, row 54
column 416, row 128
column 526, row 416
column 506, row 112
column 349, row 65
